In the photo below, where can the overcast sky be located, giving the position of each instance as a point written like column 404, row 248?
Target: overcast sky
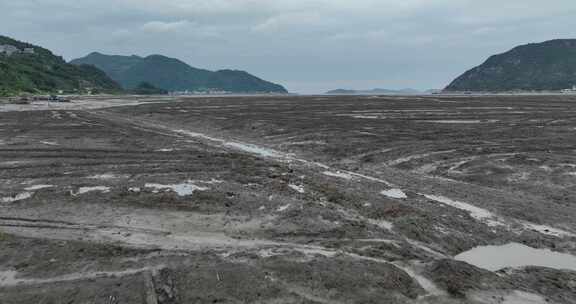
column 309, row 46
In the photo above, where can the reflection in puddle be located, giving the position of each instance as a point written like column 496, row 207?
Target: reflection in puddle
column 184, row 189
column 394, row 193
column 516, row 255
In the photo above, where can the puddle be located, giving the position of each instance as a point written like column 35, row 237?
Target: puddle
column 456, row 121
column 210, row 182
column 475, row 212
column 365, row 117
column 394, row 193
column 199, row 135
column 338, row 174
column 180, row 189
column 83, row 190
column 18, row 197
column 516, row 255
column 546, row 229
column 382, row 224
column 283, row 208
column 8, row 278
column 299, row 189
column 106, row 176
column 492, row 220
column 240, row 146
column 38, row 187
column 15, row 163
column 307, row 142
column 255, row 150
column 49, row 143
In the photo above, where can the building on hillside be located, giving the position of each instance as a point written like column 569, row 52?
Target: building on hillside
column 8, row 49
column 569, row 91
column 29, row 51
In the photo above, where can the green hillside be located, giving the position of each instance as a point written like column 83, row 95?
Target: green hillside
column 550, row 65
column 174, row 75
column 44, row 72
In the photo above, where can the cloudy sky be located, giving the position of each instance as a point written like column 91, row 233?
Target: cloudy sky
column 308, row 45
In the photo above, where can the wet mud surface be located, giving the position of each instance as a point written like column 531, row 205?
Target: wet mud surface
column 285, row 199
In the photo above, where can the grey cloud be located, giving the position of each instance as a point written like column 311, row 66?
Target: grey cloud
column 311, row 45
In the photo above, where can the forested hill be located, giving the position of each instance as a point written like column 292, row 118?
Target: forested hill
column 550, row 65
column 174, row 75
column 28, row 68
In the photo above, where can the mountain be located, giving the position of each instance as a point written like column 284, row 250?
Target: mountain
column 550, row 65
column 174, row 75
column 374, row 92
column 342, row 92
column 32, row 69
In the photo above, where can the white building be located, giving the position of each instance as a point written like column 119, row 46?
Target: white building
column 8, row 49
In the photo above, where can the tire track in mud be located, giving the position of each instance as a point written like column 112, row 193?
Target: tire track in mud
column 252, row 149
column 138, row 238
column 272, row 154
column 51, row 224
column 153, row 239
column 126, row 236
column 10, row 278
column 141, row 238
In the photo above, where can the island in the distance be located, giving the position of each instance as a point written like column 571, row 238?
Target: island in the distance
column 375, row 92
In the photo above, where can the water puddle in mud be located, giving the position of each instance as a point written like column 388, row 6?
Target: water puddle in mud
column 83, row 190
column 297, row 188
column 516, row 255
column 18, row 197
column 394, row 193
column 255, row 150
column 38, row 187
column 184, row 189
column 475, row 212
column 8, row 278
column 249, row 148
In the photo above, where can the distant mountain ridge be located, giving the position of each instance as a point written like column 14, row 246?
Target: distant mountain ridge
column 174, row 75
column 374, row 92
column 27, row 68
column 549, row 65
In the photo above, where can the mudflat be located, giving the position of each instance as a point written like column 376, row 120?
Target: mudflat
column 285, row 199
